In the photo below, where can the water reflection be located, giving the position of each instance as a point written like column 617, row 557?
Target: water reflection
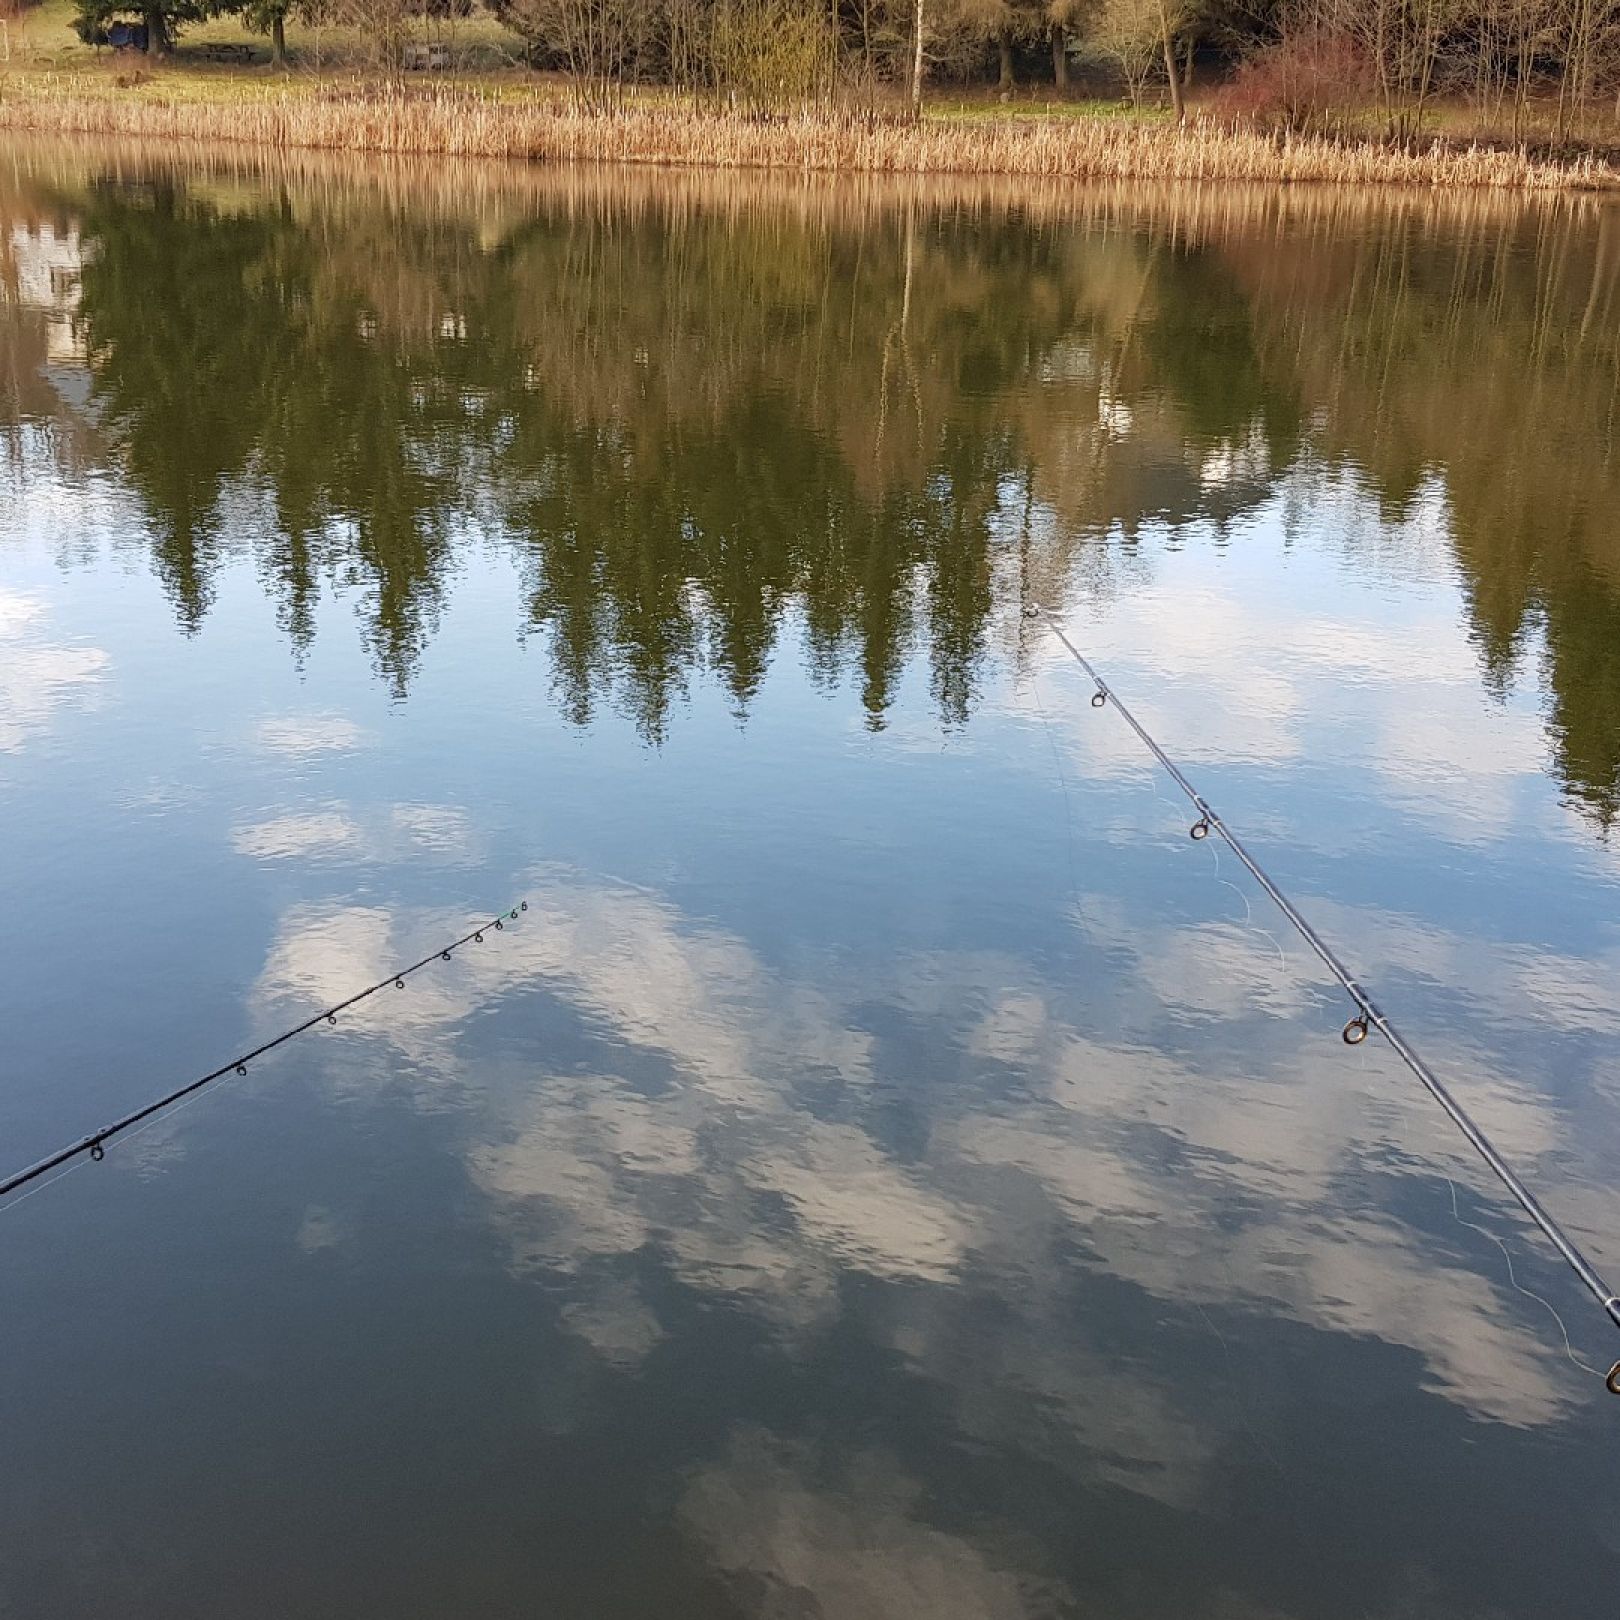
column 976, row 1183
column 890, row 1170
column 731, row 1121
column 687, row 403
column 36, row 674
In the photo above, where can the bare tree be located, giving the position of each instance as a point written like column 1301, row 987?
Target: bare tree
column 603, row 42
column 1126, row 34
column 1166, row 40
column 917, row 36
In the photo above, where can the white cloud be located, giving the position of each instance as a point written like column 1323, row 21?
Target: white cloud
column 1223, row 674
column 307, row 736
column 407, row 832
column 38, row 678
column 852, row 1203
column 845, row 1544
column 748, row 1195
column 614, row 1320
column 17, row 612
column 314, row 835
column 436, row 829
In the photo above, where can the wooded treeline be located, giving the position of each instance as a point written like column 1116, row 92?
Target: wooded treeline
column 1363, row 66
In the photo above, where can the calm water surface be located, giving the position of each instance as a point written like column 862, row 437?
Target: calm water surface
column 890, row 1171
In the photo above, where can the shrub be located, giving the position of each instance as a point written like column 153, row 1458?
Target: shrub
column 1311, row 81
column 770, row 54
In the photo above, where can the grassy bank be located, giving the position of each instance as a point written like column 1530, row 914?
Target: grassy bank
column 506, row 120
column 493, row 108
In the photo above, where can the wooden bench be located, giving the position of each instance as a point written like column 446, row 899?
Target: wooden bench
column 434, row 57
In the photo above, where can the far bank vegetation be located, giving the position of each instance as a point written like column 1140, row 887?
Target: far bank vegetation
column 1539, row 77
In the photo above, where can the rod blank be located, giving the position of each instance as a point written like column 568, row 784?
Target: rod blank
column 95, row 1143
column 1369, row 1014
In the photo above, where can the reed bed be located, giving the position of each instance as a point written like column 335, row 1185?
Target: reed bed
column 483, row 191
column 466, row 123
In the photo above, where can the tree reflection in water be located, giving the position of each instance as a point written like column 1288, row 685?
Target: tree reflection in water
column 697, row 409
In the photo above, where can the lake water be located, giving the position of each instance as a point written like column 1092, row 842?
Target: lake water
column 889, row 1170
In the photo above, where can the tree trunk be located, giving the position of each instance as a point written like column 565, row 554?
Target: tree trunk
column 917, row 64
column 157, row 33
column 278, row 39
column 1060, row 57
column 1004, row 46
column 1176, row 104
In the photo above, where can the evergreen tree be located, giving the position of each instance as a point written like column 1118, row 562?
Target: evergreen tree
column 161, row 19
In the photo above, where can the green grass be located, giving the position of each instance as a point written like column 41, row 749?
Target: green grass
column 1038, row 101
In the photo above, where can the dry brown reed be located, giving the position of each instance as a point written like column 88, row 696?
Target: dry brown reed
column 465, row 123
column 484, row 191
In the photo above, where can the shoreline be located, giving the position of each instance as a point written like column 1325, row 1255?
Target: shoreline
column 454, row 121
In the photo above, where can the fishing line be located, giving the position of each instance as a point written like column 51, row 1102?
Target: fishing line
column 1513, row 1278
column 1367, row 1017
column 61, row 1175
column 1248, row 912
column 95, row 1144
column 1063, row 784
column 1260, row 1442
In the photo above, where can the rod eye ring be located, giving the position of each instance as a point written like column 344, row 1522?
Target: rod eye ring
column 523, row 905
column 1612, row 1382
column 97, row 1151
column 1355, row 1032
column 499, row 924
column 1199, row 830
column 331, row 1018
column 1098, row 699
column 444, row 956
column 478, row 939
column 399, row 984
column 241, row 1068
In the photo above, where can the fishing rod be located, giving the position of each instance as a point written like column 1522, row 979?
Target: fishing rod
column 95, row 1144
column 1368, row 1017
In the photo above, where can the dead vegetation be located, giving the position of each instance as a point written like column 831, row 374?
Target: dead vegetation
column 469, row 123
